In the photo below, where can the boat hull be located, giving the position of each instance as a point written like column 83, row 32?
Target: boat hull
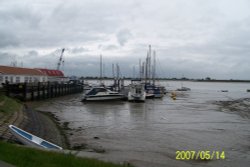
column 136, row 97
column 103, row 98
column 31, row 140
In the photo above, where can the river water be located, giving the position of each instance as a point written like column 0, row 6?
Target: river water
column 150, row 133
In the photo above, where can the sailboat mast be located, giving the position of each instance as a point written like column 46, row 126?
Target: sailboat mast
column 117, row 71
column 143, row 69
column 113, row 70
column 149, row 63
column 146, row 69
column 154, row 67
column 140, row 69
column 100, row 68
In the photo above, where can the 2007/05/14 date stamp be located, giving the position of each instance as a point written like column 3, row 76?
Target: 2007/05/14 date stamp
column 200, row 155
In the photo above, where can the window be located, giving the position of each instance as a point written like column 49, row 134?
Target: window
column 26, row 79
column 138, row 90
column 6, row 78
column 17, row 79
column 11, row 79
column 30, row 80
column 36, row 79
column 1, row 78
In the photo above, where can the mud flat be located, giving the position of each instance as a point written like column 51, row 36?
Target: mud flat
column 45, row 125
column 149, row 134
column 240, row 106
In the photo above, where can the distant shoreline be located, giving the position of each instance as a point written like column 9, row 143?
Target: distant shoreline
column 173, row 79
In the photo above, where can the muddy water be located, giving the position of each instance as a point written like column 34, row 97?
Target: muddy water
column 150, row 133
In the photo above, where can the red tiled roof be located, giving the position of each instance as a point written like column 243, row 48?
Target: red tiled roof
column 55, row 73
column 19, row 71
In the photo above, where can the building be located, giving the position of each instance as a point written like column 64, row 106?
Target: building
column 21, row 75
column 54, row 75
column 30, row 75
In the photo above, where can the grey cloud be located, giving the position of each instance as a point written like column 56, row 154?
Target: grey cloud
column 110, row 47
column 76, row 50
column 8, row 40
column 123, row 36
column 7, row 58
column 194, row 38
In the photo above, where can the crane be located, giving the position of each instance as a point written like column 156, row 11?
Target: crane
column 60, row 60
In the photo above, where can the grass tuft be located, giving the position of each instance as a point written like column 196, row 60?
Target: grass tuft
column 8, row 105
column 29, row 157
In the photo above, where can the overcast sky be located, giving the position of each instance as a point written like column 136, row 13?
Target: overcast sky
column 192, row 38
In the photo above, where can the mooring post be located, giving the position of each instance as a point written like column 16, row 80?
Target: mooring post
column 43, row 90
column 7, row 88
column 32, row 92
column 48, row 89
column 38, row 90
column 25, row 91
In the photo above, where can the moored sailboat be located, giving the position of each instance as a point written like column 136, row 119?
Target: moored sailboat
column 136, row 91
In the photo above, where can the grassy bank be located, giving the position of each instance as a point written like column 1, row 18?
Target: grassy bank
column 8, row 105
column 28, row 157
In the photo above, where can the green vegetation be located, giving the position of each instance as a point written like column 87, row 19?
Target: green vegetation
column 29, row 157
column 8, row 105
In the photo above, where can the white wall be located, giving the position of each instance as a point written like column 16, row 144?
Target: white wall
column 22, row 78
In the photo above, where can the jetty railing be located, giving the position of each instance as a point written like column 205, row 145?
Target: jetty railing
column 40, row 90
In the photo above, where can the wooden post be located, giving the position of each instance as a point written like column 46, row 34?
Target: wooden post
column 60, row 89
column 7, row 88
column 32, row 93
column 51, row 91
column 24, row 91
column 55, row 89
column 64, row 89
column 38, row 91
column 67, row 89
column 43, row 91
column 48, row 89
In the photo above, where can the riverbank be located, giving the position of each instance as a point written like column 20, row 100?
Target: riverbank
column 25, row 117
column 44, row 125
column 115, row 131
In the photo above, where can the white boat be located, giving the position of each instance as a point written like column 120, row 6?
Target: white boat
column 136, row 92
column 101, row 94
column 183, row 89
column 32, row 140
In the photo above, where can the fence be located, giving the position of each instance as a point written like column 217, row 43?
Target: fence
column 39, row 91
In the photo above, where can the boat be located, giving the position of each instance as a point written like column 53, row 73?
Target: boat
column 183, row 89
column 101, row 94
column 173, row 95
column 153, row 91
column 136, row 91
column 32, row 140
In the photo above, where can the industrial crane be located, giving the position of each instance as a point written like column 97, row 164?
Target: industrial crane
column 60, row 60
